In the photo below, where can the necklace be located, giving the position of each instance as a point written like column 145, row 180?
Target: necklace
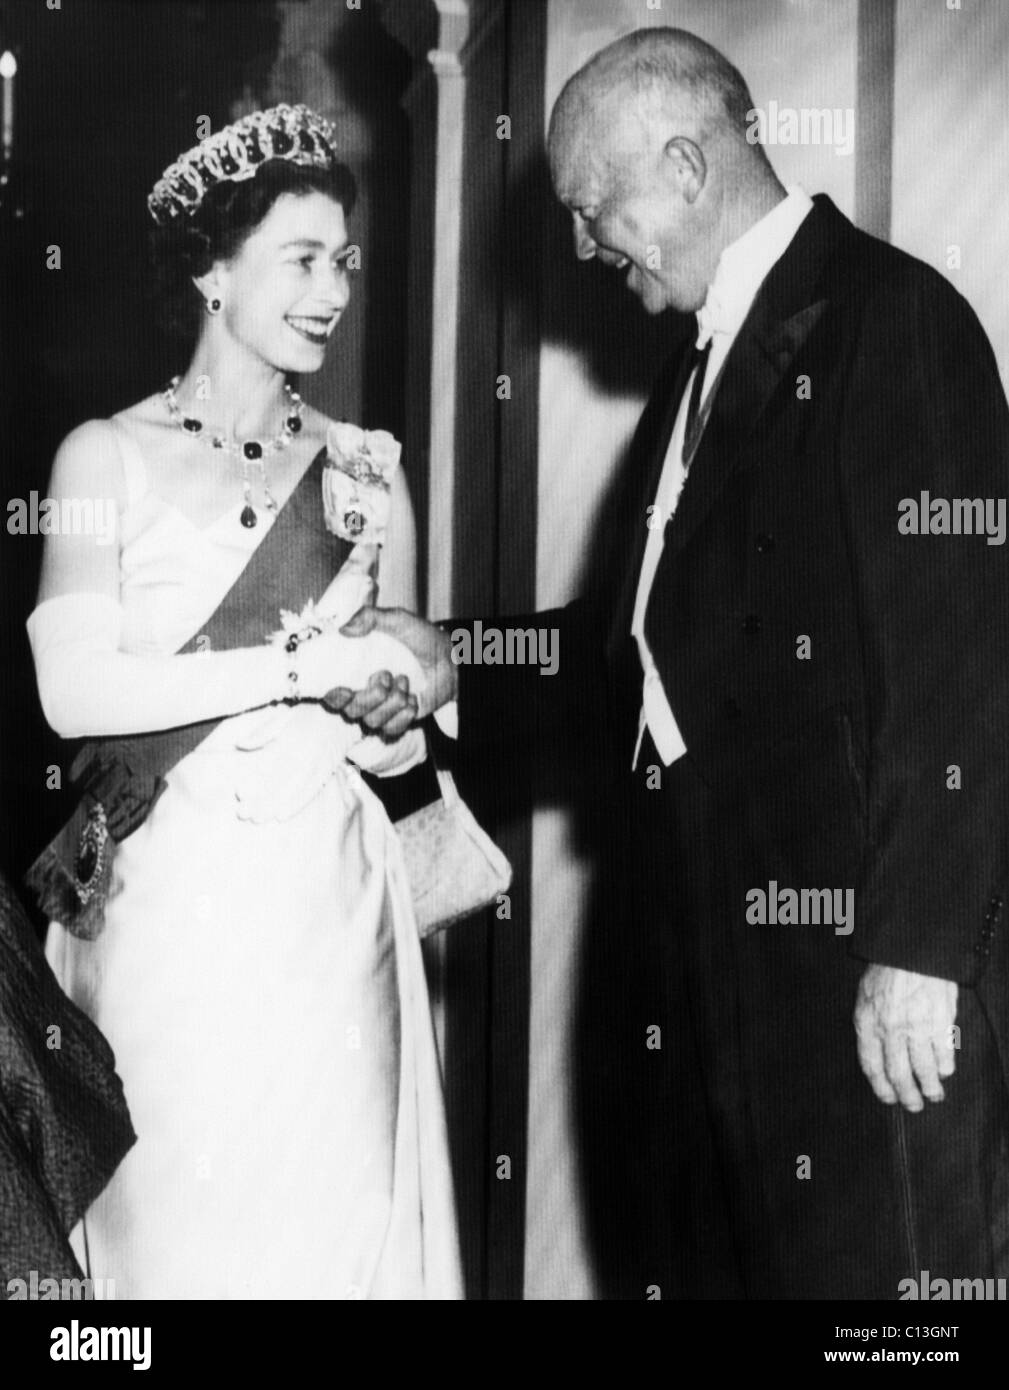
column 252, row 452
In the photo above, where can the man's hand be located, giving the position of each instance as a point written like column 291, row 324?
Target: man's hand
column 904, row 1025
column 384, row 706
column 377, row 706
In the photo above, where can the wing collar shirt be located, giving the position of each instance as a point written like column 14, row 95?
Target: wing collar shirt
column 742, row 268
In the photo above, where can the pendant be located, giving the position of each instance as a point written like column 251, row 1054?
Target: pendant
column 248, row 517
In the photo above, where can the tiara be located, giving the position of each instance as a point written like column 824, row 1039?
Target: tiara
column 293, row 133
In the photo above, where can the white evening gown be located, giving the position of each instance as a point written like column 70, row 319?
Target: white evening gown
column 260, row 980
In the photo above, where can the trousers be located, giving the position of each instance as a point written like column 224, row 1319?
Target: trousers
column 767, row 1168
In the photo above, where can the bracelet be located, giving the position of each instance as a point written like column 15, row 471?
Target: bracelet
column 292, row 642
column 291, row 648
column 297, row 628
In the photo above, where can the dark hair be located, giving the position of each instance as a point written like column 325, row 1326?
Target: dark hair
column 229, row 213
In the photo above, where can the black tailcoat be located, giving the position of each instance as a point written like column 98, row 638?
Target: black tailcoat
column 843, row 692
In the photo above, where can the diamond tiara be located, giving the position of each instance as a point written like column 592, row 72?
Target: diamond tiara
column 294, row 133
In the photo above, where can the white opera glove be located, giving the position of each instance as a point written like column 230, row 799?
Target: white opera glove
column 381, row 652
column 447, row 719
column 89, row 688
column 350, row 590
column 390, row 758
column 330, row 659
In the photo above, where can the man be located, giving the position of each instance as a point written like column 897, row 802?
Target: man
column 813, row 691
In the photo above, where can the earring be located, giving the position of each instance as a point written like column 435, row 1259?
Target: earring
column 214, row 305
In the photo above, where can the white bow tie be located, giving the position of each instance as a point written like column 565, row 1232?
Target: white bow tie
column 712, row 317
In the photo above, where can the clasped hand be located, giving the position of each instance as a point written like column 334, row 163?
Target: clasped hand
column 386, row 705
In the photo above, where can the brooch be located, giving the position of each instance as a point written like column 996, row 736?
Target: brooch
column 356, row 482
column 92, row 850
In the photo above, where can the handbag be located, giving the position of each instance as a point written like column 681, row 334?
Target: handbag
column 453, row 866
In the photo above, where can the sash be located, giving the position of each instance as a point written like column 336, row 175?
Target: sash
column 120, row 779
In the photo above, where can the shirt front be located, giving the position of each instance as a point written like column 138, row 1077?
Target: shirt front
column 742, row 268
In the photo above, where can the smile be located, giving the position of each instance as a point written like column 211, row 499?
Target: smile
column 612, row 260
column 315, row 329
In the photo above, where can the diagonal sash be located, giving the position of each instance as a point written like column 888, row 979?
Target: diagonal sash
column 121, row 778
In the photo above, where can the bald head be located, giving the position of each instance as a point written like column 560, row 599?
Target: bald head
column 664, row 68
column 648, row 149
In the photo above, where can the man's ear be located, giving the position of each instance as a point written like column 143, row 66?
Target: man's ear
column 690, row 168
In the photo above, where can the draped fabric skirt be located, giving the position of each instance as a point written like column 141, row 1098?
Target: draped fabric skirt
column 262, row 986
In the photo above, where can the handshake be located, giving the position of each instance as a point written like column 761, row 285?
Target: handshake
column 386, row 705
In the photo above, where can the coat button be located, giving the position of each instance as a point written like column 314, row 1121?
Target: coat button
column 752, row 625
column 995, row 903
column 765, row 543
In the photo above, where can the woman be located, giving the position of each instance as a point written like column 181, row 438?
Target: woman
column 258, row 970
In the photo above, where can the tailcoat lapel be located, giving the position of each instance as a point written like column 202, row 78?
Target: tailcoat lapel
column 753, row 371
column 784, row 313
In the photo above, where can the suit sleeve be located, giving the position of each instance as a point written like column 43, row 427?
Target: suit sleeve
column 510, row 709
column 925, row 413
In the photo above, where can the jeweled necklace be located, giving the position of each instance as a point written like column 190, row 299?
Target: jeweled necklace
column 252, row 452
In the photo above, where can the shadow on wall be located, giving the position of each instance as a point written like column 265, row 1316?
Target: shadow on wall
column 624, row 1116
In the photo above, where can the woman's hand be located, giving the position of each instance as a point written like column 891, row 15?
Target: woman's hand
column 330, row 659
